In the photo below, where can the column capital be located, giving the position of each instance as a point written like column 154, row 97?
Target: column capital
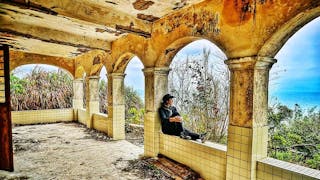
column 157, row 70
column 117, row 75
column 93, row 77
column 250, row 62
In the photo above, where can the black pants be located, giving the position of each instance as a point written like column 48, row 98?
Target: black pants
column 187, row 132
column 177, row 128
column 193, row 135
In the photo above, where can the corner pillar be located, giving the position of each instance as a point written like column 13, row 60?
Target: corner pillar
column 248, row 129
column 77, row 102
column 92, row 98
column 116, row 106
column 156, row 86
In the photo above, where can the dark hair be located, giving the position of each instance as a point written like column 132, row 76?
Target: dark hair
column 166, row 98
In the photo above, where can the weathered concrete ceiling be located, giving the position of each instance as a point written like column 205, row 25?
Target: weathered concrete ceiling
column 25, row 26
column 69, row 28
column 29, row 45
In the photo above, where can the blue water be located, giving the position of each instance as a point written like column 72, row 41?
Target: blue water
column 290, row 98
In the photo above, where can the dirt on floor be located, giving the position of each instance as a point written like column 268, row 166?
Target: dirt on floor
column 70, row 151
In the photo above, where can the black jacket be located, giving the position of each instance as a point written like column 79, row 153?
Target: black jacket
column 171, row 128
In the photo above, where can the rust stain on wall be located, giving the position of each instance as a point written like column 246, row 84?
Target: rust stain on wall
column 142, row 4
column 237, row 11
column 97, row 60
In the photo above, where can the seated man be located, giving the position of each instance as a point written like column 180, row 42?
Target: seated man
column 171, row 121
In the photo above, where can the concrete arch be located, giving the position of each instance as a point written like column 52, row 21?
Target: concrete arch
column 122, row 62
column 68, row 72
column 19, row 58
column 281, row 36
column 169, row 53
column 80, row 72
column 93, row 61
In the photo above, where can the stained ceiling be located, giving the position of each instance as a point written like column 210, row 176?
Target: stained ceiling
column 70, row 28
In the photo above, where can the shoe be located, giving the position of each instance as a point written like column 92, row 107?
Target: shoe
column 202, row 137
column 184, row 136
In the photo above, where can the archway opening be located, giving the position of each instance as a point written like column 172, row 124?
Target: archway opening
column 38, row 87
column 294, row 99
column 199, row 80
column 134, row 101
column 103, row 91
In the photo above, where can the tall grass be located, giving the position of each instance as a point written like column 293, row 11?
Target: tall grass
column 40, row 89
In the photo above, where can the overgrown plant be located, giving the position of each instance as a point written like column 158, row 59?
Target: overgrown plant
column 134, row 106
column 201, row 87
column 41, row 89
column 103, row 96
column 294, row 135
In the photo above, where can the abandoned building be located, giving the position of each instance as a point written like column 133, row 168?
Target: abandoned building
column 85, row 35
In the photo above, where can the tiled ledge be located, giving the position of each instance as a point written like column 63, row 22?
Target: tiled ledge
column 208, row 159
column 270, row 167
column 42, row 116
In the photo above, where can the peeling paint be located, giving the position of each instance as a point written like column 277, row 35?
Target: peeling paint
column 45, row 40
column 169, row 50
column 110, row 2
column 96, row 60
column 179, row 5
column 208, row 22
column 142, row 4
column 149, row 18
column 30, row 5
column 130, row 29
column 83, row 50
column 115, row 32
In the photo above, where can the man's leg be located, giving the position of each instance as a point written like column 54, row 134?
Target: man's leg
column 193, row 135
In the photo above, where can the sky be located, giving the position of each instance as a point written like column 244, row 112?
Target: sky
column 296, row 75
column 294, row 79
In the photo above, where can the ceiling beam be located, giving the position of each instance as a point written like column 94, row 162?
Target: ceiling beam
column 55, row 29
column 90, row 11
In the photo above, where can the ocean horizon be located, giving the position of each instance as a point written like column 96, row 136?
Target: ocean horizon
column 305, row 100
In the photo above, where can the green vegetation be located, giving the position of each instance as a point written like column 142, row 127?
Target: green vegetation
column 294, row 135
column 103, row 91
column 134, row 106
column 40, row 89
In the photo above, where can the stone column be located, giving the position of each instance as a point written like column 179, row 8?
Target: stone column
column 116, row 106
column 77, row 102
column 156, row 86
column 248, row 128
column 92, row 98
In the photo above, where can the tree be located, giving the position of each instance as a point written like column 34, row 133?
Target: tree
column 40, row 89
column 103, row 96
column 294, row 135
column 134, row 106
column 201, row 86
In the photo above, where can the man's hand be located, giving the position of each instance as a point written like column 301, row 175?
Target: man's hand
column 176, row 119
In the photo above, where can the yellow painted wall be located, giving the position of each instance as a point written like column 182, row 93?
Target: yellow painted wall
column 100, row 122
column 42, row 116
column 270, row 168
column 82, row 116
column 208, row 159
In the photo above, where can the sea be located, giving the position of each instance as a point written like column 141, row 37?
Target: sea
column 305, row 100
